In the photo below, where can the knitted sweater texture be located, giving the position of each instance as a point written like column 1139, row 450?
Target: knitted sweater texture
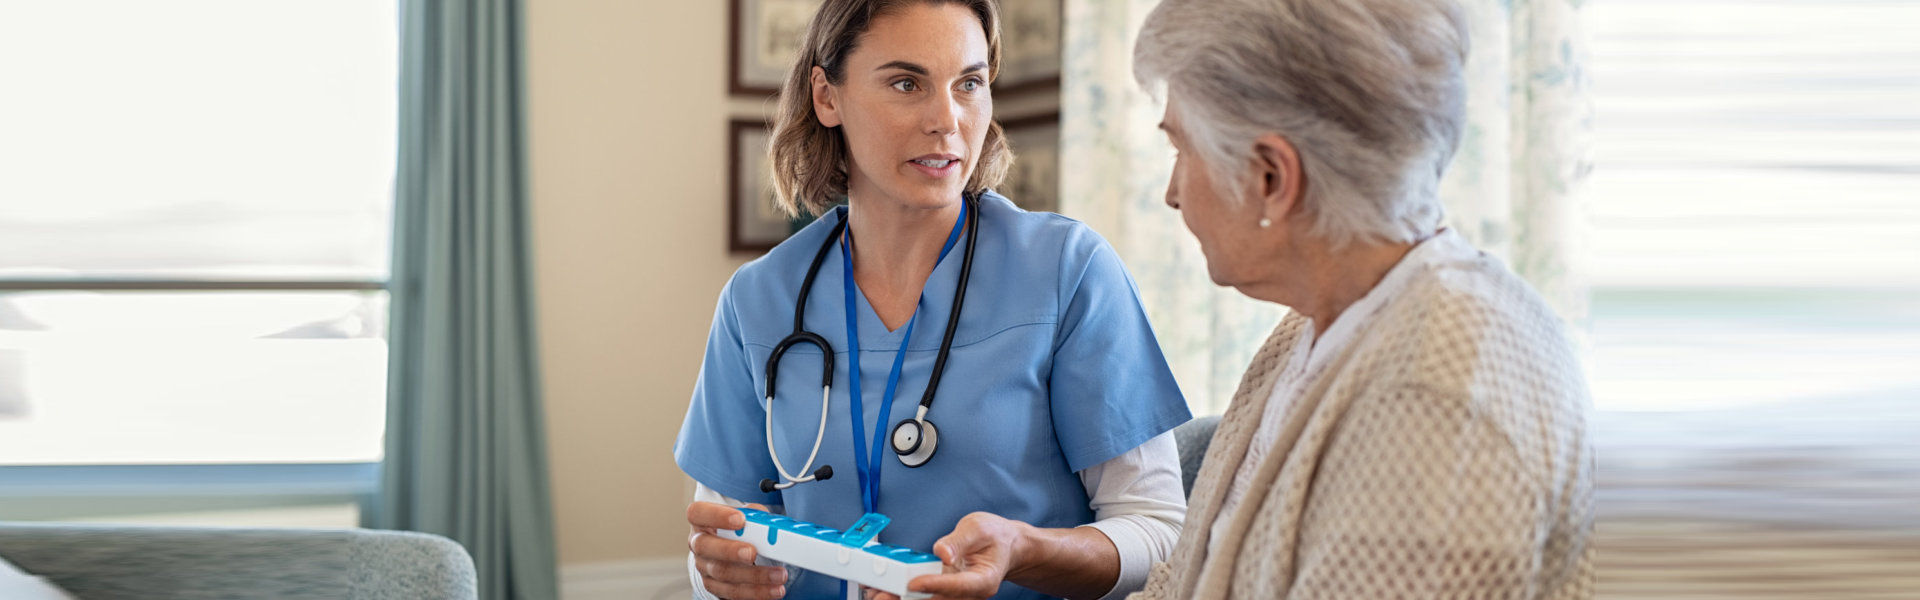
column 1443, row 454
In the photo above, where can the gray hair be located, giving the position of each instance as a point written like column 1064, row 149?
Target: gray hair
column 1370, row 93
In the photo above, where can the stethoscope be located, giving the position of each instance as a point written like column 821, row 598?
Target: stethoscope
column 913, row 440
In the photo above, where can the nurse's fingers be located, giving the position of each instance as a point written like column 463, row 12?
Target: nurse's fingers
column 726, row 566
column 733, row 591
column 965, row 584
column 714, row 516
column 740, row 573
column 707, row 546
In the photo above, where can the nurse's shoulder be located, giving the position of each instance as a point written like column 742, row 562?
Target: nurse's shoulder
column 1044, row 245
column 773, row 279
column 789, row 257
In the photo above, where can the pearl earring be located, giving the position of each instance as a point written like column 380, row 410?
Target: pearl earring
column 1265, row 223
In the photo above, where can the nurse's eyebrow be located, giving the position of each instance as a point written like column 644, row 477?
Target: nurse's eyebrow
column 904, row 66
column 922, row 71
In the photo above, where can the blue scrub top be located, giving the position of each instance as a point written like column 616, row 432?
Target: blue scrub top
column 1054, row 369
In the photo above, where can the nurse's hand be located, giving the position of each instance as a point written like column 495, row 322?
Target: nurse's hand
column 979, row 554
column 726, row 566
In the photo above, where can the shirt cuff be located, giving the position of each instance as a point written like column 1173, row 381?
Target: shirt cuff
column 1136, row 561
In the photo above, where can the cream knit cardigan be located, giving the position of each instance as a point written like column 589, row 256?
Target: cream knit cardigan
column 1443, row 454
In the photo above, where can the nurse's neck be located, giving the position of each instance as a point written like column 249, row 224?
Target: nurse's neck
column 896, row 246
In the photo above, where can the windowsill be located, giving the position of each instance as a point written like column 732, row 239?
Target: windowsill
column 63, row 492
column 1773, row 407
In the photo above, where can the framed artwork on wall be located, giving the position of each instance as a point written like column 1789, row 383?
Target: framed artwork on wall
column 1029, row 45
column 764, row 38
column 1034, row 181
column 755, row 224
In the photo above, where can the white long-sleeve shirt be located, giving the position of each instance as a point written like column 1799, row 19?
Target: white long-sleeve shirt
column 1137, row 500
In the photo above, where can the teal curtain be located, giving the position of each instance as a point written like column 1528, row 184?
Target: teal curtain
column 465, row 446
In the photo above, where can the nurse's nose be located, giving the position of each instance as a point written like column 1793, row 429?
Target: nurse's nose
column 943, row 118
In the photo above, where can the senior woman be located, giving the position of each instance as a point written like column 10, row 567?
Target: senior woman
column 1416, row 426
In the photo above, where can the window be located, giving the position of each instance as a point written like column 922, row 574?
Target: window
column 1756, row 331
column 1756, row 204
column 194, row 222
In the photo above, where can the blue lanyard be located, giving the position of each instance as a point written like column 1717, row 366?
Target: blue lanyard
column 870, row 471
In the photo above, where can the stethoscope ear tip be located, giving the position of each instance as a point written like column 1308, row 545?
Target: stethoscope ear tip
column 767, row 486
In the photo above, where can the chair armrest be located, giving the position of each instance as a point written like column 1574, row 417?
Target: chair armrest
column 102, row 562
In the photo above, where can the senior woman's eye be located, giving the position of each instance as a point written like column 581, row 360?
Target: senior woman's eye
column 971, row 85
column 905, row 85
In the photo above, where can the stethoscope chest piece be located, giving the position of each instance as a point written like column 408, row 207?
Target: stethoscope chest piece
column 914, row 441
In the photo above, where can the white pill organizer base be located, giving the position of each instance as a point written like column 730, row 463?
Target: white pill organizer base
column 822, row 550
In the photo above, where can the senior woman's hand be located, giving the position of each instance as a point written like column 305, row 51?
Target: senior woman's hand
column 726, row 566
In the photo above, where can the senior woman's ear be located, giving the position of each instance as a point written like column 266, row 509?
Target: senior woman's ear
column 826, row 107
column 1280, row 182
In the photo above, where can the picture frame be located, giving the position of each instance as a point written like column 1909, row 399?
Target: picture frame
column 1030, row 52
column 763, row 40
column 755, row 223
column 1033, row 183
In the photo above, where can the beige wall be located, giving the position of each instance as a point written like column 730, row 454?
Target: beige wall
column 627, row 118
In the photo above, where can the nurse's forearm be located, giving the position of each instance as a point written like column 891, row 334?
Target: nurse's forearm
column 1079, row 562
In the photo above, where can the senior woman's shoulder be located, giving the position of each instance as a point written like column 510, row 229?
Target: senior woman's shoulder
column 1473, row 326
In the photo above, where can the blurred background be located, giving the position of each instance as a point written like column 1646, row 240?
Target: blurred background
column 195, row 226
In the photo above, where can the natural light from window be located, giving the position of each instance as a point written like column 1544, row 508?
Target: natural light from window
column 195, row 140
column 1756, row 206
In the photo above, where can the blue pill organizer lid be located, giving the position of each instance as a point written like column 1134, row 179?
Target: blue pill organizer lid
column 859, row 536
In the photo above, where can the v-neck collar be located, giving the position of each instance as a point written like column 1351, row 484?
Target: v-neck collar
column 936, row 300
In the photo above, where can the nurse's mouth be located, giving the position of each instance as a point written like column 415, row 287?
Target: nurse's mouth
column 937, row 165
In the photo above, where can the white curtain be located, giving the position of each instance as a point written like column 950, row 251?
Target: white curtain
column 1511, row 189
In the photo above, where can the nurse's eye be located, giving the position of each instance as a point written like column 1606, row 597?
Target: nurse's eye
column 905, row 85
column 972, row 85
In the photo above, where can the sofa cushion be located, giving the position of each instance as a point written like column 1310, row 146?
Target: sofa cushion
column 20, row 585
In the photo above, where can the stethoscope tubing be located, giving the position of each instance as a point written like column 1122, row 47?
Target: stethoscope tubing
column 801, row 335
column 826, row 393
column 953, row 318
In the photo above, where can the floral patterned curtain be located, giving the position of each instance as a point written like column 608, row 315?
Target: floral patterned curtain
column 1512, row 188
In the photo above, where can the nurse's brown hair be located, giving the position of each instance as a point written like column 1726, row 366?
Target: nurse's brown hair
column 810, row 161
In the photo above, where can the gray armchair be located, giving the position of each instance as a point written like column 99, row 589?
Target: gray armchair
column 1192, row 438
column 98, row 562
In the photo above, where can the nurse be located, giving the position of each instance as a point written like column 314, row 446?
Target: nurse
column 1053, row 405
